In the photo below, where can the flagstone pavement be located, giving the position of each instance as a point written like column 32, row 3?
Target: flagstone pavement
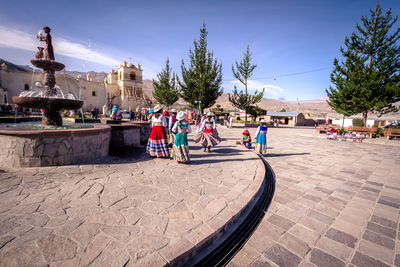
column 335, row 204
column 134, row 210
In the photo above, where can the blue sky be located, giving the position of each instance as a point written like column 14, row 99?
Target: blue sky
column 286, row 37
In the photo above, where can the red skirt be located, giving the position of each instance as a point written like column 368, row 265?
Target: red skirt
column 158, row 133
column 157, row 146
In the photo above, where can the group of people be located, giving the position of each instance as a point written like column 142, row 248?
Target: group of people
column 261, row 138
column 115, row 113
column 170, row 129
column 228, row 120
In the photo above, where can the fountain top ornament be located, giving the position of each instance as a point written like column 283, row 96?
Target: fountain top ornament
column 49, row 102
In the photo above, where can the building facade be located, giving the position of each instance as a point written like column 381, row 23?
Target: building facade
column 122, row 87
column 288, row 118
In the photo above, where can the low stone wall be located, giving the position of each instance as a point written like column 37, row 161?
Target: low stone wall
column 145, row 131
column 35, row 148
column 124, row 136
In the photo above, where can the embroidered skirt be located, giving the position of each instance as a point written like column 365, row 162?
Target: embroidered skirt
column 157, row 146
column 261, row 143
column 207, row 138
column 180, row 150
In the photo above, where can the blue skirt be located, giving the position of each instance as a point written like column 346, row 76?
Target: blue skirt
column 261, row 139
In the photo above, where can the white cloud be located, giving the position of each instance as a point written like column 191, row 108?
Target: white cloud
column 19, row 39
column 271, row 90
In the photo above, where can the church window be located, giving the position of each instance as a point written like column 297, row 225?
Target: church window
column 26, row 87
column 133, row 76
column 93, row 93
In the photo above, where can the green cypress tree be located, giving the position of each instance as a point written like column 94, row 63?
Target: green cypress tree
column 244, row 70
column 165, row 91
column 202, row 80
column 368, row 80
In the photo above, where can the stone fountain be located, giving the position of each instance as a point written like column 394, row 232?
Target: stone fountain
column 50, row 146
column 49, row 102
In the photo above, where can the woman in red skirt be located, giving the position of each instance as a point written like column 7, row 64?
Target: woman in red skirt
column 157, row 146
column 208, row 135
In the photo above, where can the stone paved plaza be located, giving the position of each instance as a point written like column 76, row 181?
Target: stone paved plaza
column 134, row 210
column 335, row 204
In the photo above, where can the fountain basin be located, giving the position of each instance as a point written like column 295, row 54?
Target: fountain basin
column 36, row 148
column 47, row 64
column 47, row 103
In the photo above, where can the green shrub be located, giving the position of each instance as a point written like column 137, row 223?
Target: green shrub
column 358, row 122
column 379, row 131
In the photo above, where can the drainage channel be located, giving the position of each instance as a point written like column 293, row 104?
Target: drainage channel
column 224, row 252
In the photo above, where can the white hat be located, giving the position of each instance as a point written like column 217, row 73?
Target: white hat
column 173, row 110
column 181, row 115
column 262, row 121
column 210, row 114
column 157, row 108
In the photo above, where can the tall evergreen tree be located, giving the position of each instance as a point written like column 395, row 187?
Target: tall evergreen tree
column 244, row 70
column 202, row 80
column 165, row 91
column 368, row 78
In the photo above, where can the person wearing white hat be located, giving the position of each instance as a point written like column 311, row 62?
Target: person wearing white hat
column 180, row 149
column 208, row 134
column 157, row 145
column 261, row 138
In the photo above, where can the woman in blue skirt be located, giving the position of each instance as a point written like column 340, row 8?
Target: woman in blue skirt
column 261, row 138
column 180, row 149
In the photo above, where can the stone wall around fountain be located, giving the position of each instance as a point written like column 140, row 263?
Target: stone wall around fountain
column 37, row 148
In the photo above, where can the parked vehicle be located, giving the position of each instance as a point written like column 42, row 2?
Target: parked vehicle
column 393, row 123
column 125, row 114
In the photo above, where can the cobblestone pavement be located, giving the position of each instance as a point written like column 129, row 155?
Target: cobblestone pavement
column 336, row 204
column 135, row 210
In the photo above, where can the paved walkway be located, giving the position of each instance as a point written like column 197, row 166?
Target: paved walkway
column 336, row 204
column 135, row 210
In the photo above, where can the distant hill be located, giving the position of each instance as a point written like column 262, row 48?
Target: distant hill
column 313, row 107
column 12, row 66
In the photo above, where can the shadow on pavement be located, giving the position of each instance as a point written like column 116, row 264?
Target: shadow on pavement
column 123, row 157
column 284, row 155
column 209, row 161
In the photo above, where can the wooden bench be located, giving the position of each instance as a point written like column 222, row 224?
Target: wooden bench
column 358, row 129
column 392, row 133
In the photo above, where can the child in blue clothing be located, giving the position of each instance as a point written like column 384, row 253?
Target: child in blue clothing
column 246, row 139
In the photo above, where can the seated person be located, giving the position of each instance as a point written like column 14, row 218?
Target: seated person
column 246, row 139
